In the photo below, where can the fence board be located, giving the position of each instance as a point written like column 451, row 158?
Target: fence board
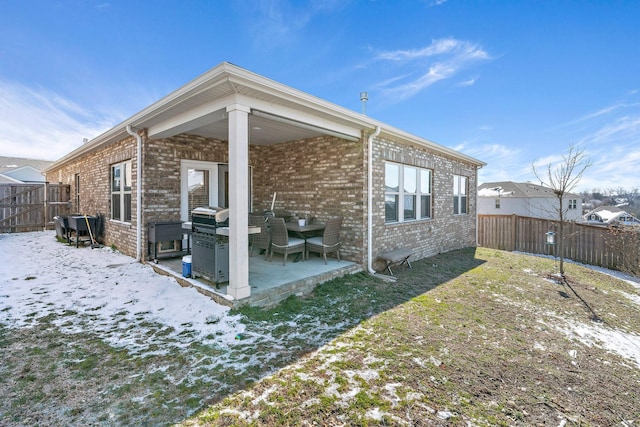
column 31, row 207
column 589, row 244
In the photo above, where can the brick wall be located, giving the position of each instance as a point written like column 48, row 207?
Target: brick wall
column 444, row 231
column 322, row 177
column 94, row 170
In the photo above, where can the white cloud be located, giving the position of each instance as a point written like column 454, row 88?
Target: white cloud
column 421, row 68
column 468, row 83
column 276, row 22
column 619, row 130
column 40, row 124
column 611, row 136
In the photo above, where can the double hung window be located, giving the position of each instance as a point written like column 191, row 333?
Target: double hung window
column 407, row 193
column 121, row 191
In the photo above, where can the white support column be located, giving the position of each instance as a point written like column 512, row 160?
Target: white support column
column 238, row 207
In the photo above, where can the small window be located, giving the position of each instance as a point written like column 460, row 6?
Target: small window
column 497, row 203
column 407, row 193
column 77, row 195
column 573, row 204
column 460, row 191
column 121, row 191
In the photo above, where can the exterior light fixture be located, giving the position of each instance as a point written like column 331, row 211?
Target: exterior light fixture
column 551, row 237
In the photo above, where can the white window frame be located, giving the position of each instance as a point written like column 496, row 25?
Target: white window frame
column 498, row 203
column 460, row 182
column 121, row 191
column 214, row 184
column 404, row 191
column 573, row 203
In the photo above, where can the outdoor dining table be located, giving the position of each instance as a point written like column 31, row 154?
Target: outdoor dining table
column 304, row 231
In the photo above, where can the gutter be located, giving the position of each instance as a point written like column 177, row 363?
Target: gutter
column 138, row 193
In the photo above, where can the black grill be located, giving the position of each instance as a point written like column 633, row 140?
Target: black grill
column 206, row 220
column 210, row 253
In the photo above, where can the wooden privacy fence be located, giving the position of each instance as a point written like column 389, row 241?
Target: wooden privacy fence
column 31, row 207
column 617, row 248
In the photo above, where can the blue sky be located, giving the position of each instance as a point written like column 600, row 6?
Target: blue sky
column 508, row 82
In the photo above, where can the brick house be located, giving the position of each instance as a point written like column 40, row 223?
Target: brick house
column 243, row 137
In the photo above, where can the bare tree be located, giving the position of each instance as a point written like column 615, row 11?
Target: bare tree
column 562, row 177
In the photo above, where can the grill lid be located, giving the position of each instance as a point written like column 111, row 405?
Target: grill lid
column 212, row 213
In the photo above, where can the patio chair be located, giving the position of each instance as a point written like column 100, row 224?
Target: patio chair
column 260, row 240
column 329, row 242
column 61, row 228
column 281, row 242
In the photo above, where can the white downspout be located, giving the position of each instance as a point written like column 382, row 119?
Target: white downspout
column 138, row 194
column 370, row 200
column 477, row 169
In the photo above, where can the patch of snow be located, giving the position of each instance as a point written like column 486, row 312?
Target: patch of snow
column 412, row 395
column 634, row 298
column 265, row 394
column 538, row 346
column 105, row 292
column 444, row 415
column 375, row 414
column 622, row 343
column 420, row 362
column 392, row 393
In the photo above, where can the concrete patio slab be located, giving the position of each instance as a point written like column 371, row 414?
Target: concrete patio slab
column 270, row 282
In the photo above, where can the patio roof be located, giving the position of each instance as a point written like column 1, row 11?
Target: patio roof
column 278, row 113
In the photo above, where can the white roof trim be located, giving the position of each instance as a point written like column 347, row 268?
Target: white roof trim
column 241, row 79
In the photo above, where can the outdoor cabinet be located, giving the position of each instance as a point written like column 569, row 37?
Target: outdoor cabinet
column 165, row 239
column 210, row 257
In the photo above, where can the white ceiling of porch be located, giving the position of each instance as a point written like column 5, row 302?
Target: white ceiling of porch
column 262, row 131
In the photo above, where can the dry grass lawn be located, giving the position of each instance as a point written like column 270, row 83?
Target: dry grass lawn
column 472, row 337
column 487, row 338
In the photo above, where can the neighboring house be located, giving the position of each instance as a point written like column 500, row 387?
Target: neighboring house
column 610, row 215
column 526, row 199
column 17, row 170
column 242, row 137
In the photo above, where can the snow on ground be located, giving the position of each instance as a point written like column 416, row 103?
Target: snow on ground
column 622, row 343
column 39, row 276
column 117, row 298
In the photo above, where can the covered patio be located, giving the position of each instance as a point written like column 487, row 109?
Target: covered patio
column 243, row 138
column 232, row 139
column 270, row 282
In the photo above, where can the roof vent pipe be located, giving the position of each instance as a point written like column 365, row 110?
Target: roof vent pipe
column 364, row 97
column 138, row 193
